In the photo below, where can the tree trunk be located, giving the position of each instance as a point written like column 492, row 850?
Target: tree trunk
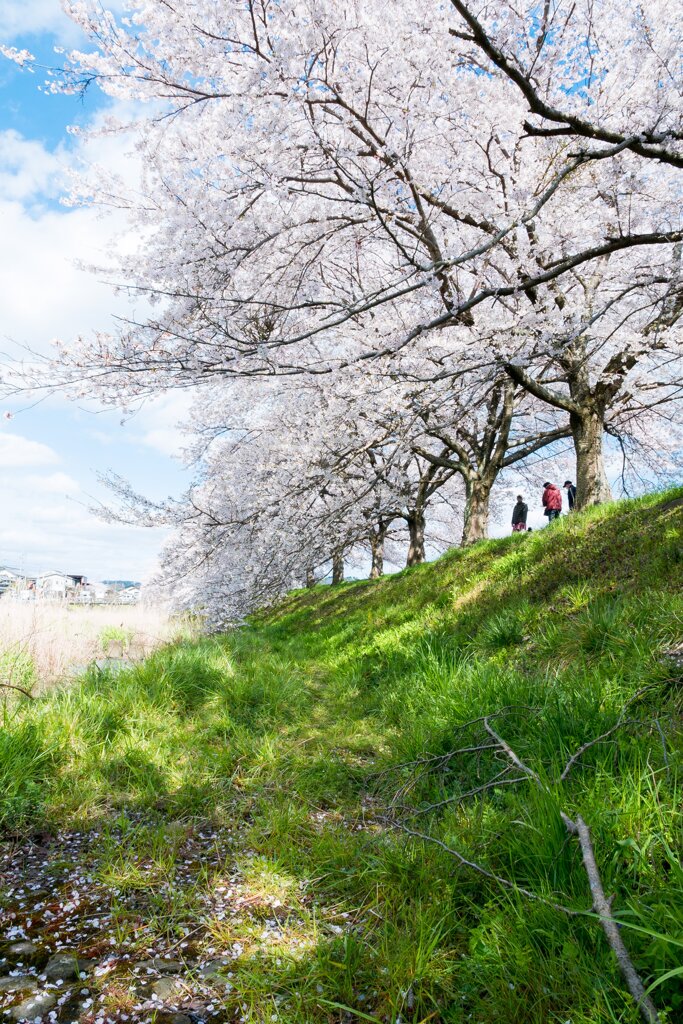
column 592, row 485
column 416, row 529
column 476, row 525
column 377, row 548
column 337, row 567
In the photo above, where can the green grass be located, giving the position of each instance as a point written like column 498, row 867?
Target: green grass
column 287, row 734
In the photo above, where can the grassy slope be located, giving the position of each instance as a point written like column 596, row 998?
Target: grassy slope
column 284, row 730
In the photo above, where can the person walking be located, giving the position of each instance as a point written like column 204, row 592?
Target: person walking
column 519, row 514
column 552, row 501
column 570, row 488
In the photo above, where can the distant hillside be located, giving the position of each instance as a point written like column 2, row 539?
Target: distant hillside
column 624, row 547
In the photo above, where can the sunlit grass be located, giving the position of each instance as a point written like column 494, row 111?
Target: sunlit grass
column 282, row 735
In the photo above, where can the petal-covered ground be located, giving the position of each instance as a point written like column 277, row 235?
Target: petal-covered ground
column 93, row 932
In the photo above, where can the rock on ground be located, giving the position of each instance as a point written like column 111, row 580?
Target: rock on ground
column 34, row 1006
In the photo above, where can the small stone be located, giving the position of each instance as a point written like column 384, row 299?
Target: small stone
column 167, row 988
column 21, row 983
column 179, row 1018
column 163, row 966
column 212, row 970
column 34, row 1006
column 23, row 949
column 65, row 967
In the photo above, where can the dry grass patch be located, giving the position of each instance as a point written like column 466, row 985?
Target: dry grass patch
column 43, row 643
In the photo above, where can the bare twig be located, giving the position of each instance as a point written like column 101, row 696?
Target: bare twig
column 430, row 759
column 577, row 827
column 591, row 743
column 511, row 754
column 621, row 721
column 434, row 758
column 505, row 882
column 602, row 907
column 19, row 689
column 496, row 781
column 601, row 904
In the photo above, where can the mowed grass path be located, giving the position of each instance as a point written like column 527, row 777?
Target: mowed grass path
column 246, row 803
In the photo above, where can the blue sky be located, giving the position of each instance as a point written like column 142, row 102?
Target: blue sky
column 51, row 453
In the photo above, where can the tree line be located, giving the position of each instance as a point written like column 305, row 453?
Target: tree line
column 395, row 251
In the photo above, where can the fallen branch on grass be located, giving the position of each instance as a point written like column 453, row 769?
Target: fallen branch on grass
column 437, row 762
column 601, row 905
column 603, row 909
column 498, row 780
column 621, row 721
column 445, row 758
column 481, row 870
column 575, row 827
column 592, row 743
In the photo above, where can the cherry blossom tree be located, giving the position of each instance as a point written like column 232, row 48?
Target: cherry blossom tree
column 482, row 425
column 308, row 126
column 448, row 192
column 614, row 355
column 347, row 455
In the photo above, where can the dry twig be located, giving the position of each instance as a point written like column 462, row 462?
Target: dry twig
column 591, row 743
column 603, row 909
column 481, row 870
column 578, row 828
column 496, row 781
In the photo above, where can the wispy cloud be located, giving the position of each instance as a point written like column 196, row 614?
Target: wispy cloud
column 27, row 169
column 35, row 17
column 45, row 294
column 17, row 451
column 32, row 17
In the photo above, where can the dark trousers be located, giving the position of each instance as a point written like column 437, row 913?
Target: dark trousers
column 552, row 514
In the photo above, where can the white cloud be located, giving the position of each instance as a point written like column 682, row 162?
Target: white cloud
column 155, row 425
column 46, row 522
column 53, row 483
column 44, row 525
column 17, row 451
column 160, row 419
column 44, row 291
column 19, row 17
column 43, row 294
column 27, row 169
column 23, row 17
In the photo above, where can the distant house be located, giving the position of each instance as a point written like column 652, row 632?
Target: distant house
column 74, row 588
column 10, row 578
column 59, row 585
column 93, row 593
column 107, row 592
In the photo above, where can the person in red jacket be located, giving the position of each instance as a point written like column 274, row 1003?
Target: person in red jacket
column 552, row 501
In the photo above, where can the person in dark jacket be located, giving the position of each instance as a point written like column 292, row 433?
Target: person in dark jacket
column 519, row 514
column 570, row 488
column 552, row 501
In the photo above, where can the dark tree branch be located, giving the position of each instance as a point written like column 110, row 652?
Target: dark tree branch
column 646, row 144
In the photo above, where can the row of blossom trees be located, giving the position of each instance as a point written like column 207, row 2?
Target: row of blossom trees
column 397, row 250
